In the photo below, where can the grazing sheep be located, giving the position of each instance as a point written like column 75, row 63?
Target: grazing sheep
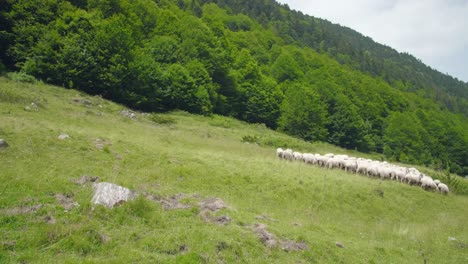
column 309, row 158
column 350, row 165
column 279, row 152
column 297, row 155
column 427, row 183
column 437, row 182
column 413, row 178
column 443, row 188
column 288, row 154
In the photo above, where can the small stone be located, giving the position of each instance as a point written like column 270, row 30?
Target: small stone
column 338, row 244
column 34, row 106
column 63, row 136
column 3, row 143
column 452, row 239
column 128, row 113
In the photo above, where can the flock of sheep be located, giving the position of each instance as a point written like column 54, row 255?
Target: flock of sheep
column 368, row 167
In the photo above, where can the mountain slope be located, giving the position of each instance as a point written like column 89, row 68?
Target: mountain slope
column 179, row 153
column 352, row 48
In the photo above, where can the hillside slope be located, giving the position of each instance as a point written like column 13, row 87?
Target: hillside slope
column 205, row 58
column 196, row 157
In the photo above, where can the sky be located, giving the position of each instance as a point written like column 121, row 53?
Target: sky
column 434, row 31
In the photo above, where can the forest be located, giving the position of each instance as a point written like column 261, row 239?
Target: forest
column 257, row 61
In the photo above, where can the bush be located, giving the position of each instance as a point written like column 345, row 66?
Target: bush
column 251, row 139
column 21, row 77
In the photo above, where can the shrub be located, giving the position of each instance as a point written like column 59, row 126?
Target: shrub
column 21, row 77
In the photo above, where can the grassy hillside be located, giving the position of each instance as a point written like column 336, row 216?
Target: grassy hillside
column 198, row 158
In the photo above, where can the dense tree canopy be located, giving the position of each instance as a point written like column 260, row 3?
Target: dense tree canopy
column 254, row 60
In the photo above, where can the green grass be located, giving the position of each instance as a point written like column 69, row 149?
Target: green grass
column 166, row 154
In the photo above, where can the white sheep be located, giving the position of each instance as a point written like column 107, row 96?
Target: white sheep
column 297, row 155
column 443, row 188
column 279, row 152
column 350, row 165
column 288, row 154
column 428, row 183
column 309, row 158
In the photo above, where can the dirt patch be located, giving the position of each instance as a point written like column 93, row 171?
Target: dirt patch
column 212, row 204
column 289, row 245
column 86, row 179
column 219, row 220
column 66, row 201
column 23, row 210
column 265, row 218
column 172, row 202
column 267, row 238
column 50, row 220
column 101, row 143
column 271, row 241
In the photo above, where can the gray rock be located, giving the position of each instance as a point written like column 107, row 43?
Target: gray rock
column 3, row 143
column 109, row 194
column 63, row 136
column 128, row 113
column 339, row 244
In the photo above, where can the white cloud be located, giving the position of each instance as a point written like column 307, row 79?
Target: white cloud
column 435, row 31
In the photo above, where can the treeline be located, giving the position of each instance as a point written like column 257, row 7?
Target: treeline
column 164, row 55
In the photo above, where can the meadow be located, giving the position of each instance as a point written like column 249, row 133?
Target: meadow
column 192, row 158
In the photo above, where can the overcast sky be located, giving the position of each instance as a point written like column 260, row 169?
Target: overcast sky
column 434, row 31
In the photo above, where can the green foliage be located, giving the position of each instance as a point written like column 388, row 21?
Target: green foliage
column 21, row 77
column 251, row 139
column 303, row 113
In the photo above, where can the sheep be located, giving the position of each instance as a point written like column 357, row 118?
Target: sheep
column 309, row 158
column 413, row 178
column 350, row 165
column 279, row 152
column 373, row 169
column 322, row 160
column 443, row 188
column 427, row 183
column 333, row 162
column 297, row 155
column 288, row 154
column 362, row 166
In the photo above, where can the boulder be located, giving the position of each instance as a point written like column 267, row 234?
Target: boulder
column 109, row 194
column 3, row 143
